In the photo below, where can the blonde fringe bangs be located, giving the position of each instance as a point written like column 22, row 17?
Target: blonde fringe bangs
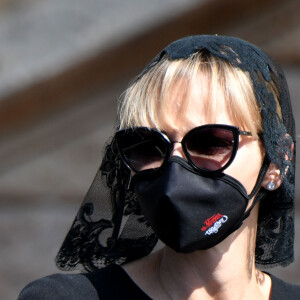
column 146, row 99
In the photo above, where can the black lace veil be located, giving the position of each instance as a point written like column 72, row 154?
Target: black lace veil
column 109, row 227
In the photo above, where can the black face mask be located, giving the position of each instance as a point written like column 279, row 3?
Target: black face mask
column 190, row 211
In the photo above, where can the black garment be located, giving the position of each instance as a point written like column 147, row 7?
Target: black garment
column 60, row 287
column 282, row 290
column 113, row 283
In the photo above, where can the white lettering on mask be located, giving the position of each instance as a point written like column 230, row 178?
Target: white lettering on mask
column 216, row 226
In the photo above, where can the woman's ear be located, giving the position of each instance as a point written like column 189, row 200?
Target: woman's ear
column 272, row 180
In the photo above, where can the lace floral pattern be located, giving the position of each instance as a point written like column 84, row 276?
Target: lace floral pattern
column 95, row 241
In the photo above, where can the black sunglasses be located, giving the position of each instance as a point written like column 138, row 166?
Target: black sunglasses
column 208, row 148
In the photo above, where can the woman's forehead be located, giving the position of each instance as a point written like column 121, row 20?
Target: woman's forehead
column 200, row 97
column 187, row 107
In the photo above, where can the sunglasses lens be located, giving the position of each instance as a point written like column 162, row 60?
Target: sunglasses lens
column 210, row 148
column 142, row 148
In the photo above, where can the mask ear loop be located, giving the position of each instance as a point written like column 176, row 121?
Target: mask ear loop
column 262, row 193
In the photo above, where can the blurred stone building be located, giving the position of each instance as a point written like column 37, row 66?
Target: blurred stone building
column 63, row 65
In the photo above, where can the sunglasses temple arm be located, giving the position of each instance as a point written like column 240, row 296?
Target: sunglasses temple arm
column 245, row 133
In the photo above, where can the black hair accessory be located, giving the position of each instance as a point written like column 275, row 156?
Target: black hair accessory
column 109, row 227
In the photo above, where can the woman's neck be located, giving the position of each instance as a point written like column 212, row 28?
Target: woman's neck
column 205, row 276
column 226, row 271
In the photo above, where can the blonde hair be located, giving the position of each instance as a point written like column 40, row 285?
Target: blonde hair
column 146, row 99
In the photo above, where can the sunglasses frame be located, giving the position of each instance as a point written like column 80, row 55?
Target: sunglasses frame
column 169, row 146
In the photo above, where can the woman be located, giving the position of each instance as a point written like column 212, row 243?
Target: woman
column 202, row 159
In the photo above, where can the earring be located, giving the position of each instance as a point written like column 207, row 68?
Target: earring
column 271, row 186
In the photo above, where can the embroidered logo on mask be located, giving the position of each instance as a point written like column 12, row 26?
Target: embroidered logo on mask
column 213, row 223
